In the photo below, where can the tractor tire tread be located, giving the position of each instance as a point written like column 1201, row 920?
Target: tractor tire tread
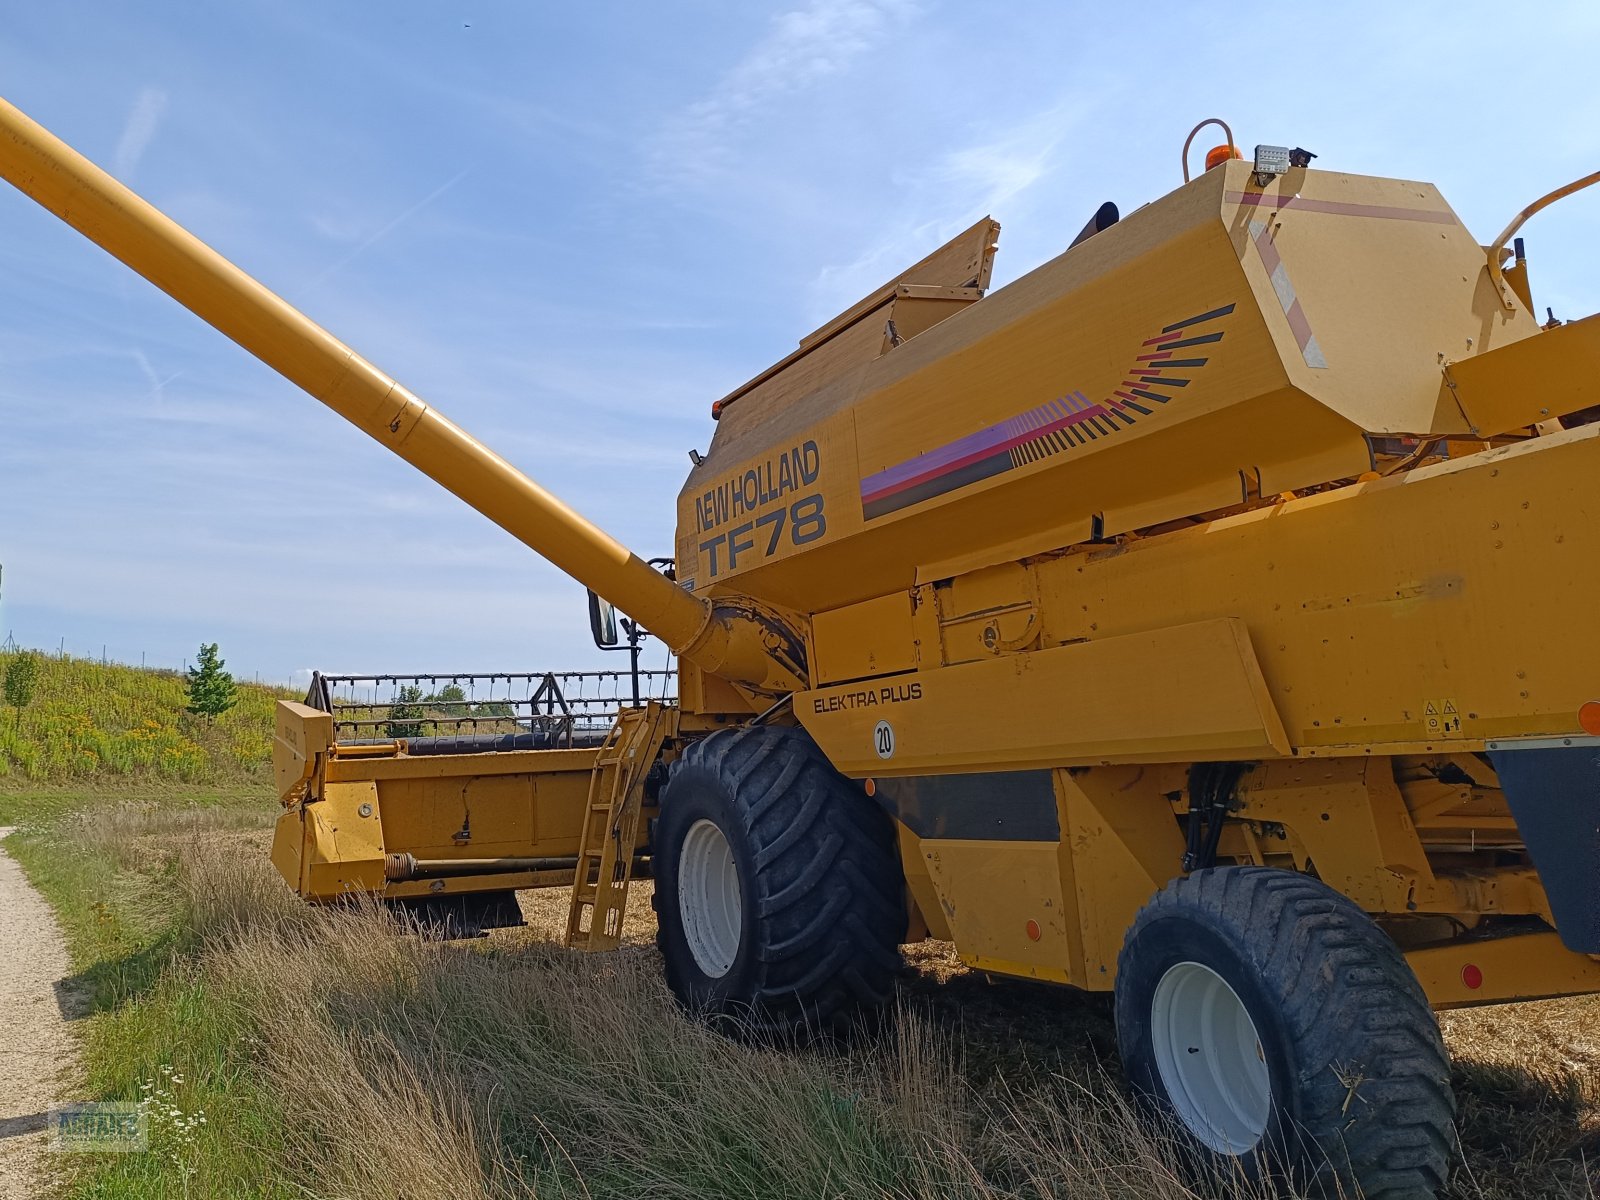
column 829, row 905
column 1343, row 988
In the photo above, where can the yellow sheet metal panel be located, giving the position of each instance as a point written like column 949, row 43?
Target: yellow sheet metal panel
column 919, row 886
column 1527, row 967
column 1377, row 609
column 299, row 735
column 965, row 261
column 1120, row 845
column 914, row 314
column 1189, row 692
column 1041, row 542
column 528, row 813
column 987, row 612
column 958, row 390
column 1364, row 283
column 288, row 847
column 492, row 815
column 1531, row 380
column 344, row 842
column 861, row 640
column 457, row 766
column 1350, row 820
column 512, row 804
column 1003, row 904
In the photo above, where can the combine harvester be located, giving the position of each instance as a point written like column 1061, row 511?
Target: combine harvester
column 1199, row 617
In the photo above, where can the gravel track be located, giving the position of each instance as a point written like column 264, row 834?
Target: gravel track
column 38, row 1054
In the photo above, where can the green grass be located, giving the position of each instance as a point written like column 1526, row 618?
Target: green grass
column 154, row 1029
column 94, row 721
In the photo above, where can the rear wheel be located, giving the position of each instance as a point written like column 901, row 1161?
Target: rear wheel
column 779, row 896
column 1269, row 1021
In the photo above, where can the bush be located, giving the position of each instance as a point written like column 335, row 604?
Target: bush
column 22, row 672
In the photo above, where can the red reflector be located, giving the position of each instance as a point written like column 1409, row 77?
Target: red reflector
column 1472, row 976
column 1589, row 717
column 1034, row 933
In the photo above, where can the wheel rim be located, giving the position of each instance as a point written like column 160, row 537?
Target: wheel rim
column 709, row 899
column 1210, row 1058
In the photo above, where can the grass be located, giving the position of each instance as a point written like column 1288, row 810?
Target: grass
column 338, row 1054
column 89, row 720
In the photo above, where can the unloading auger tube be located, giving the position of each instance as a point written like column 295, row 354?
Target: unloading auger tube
column 735, row 646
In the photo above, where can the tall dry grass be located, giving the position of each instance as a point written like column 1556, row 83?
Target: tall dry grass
column 342, row 1054
column 417, row 1067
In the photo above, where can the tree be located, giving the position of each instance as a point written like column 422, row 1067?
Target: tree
column 22, row 673
column 211, row 689
column 405, row 714
column 449, row 700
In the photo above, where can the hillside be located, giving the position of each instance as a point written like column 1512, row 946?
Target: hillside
column 92, row 721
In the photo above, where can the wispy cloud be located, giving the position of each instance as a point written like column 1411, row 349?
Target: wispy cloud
column 382, row 232
column 158, row 383
column 800, row 48
column 139, row 131
column 966, row 183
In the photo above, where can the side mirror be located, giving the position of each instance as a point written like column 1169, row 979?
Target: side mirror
column 603, row 622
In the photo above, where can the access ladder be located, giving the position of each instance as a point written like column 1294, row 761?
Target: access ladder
column 611, row 826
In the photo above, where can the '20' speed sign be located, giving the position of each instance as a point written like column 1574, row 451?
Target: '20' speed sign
column 883, row 739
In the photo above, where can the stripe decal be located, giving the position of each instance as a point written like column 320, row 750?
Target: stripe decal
column 1310, row 350
column 1205, row 316
column 1382, row 212
column 1065, row 423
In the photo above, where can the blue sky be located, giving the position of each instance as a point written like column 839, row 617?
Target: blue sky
column 572, row 227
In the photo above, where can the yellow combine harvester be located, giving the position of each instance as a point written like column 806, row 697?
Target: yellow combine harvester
column 1200, row 617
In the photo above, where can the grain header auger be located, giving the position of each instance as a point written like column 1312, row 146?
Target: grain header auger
column 1200, row 617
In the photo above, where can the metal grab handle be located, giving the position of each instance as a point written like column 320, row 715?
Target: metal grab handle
column 1189, row 141
column 1496, row 249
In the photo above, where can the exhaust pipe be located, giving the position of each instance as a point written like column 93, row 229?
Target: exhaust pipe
column 1104, row 218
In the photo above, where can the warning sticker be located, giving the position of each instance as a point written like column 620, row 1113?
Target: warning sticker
column 1441, row 718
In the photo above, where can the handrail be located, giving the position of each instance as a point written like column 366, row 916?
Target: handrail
column 1497, row 248
column 1189, row 141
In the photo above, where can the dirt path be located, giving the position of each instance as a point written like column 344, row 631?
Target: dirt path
column 37, row 1050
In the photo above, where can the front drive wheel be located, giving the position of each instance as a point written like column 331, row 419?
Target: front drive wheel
column 1271, row 1022
column 779, row 895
